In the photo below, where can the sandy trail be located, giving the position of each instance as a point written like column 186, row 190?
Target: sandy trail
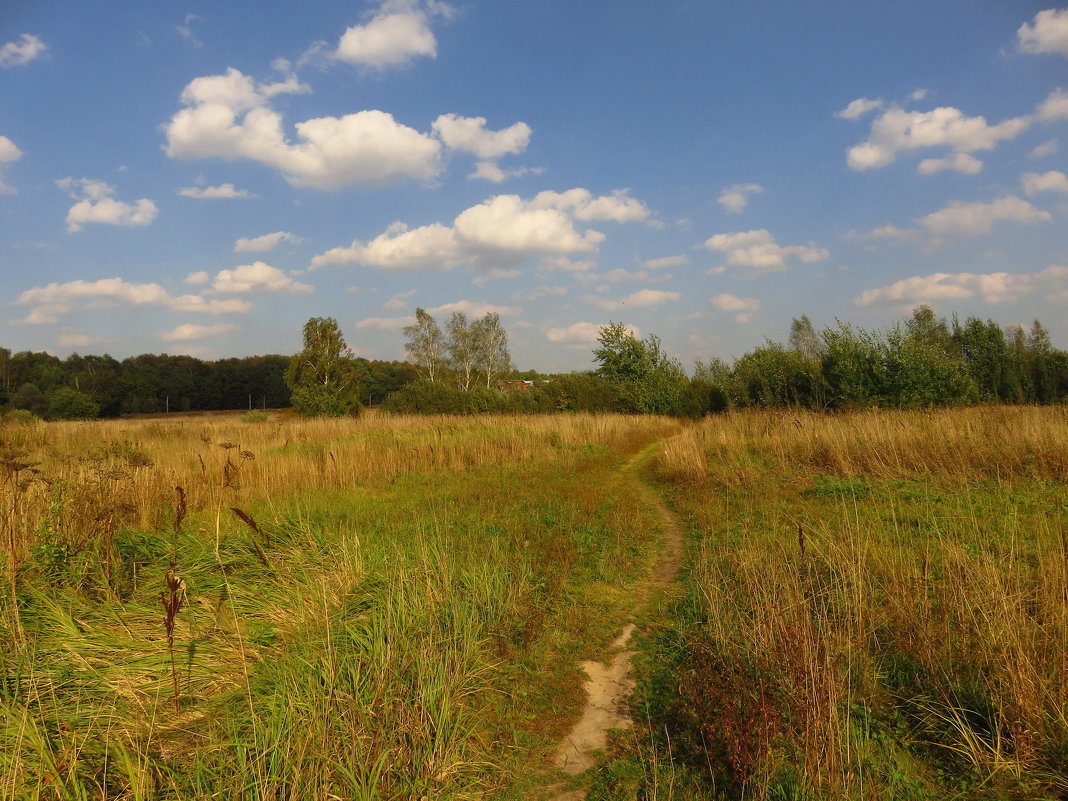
column 609, row 684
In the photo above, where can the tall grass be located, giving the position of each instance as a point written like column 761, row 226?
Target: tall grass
column 395, row 613
column 877, row 606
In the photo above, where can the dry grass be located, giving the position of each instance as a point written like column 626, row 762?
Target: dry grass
column 878, row 603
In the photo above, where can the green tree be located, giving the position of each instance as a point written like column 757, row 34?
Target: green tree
column 324, row 379
column 425, row 345
column 461, row 346
column 649, row 381
column 490, row 347
column 67, row 403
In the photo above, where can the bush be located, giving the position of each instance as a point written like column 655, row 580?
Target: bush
column 19, row 417
column 255, row 416
column 70, row 404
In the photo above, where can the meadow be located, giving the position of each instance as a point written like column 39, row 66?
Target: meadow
column 871, row 605
column 875, row 606
column 307, row 609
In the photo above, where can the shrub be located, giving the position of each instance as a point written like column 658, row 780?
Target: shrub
column 70, row 404
column 255, row 416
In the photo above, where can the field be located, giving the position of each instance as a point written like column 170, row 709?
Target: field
column 871, row 605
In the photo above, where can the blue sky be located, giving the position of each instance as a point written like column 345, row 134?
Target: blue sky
column 203, row 177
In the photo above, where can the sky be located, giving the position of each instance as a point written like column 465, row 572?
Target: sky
column 202, row 178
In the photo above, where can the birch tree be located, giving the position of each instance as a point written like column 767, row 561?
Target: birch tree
column 425, row 345
column 491, row 347
column 323, row 378
column 462, row 348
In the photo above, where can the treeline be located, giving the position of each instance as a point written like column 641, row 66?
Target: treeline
column 84, row 387
column 924, row 361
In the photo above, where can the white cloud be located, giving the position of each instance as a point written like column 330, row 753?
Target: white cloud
column 191, row 333
column 579, row 334
column 732, row 303
column 229, row 116
column 759, row 251
column 492, row 172
column 858, row 108
column 186, row 30
column 77, row 340
column 22, row 51
column 385, row 323
column 1052, row 181
column 498, row 233
column 95, row 204
column 959, row 162
column 264, row 243
column 494, row 274
column 735, row 198
column 919, row 94
column 56, row 300
column 990, row 287
column 896, row 131
column 1047, row 148
column 974, row 219
column 199, row 277
column 666, row 261
column 255, row 278
column 639, row 299
column 473, row 309
column 221, row 191
column 470, row 134
column 1047, row 33
column 564, row 264
column 399, row 301
column 398, row 32
column 580, row 203
column 1054, row 107
column 8, row 153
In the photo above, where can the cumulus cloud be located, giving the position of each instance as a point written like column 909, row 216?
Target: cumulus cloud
column 474, row 309
column 498, row 233
column 1047, row 148
column 8, row 153
column 1052, row 181
column 581, row 334
column 265, row 242
column 77, row 340
column 759, row 251
column 222, row 191
column 494, row 173
column 470, row 134
column 859, row 107
column 583, row 205
column 732, row 303
column 666, row 261
column 735, row 198
column 564, row 264
column 386, row 323
column 394, row 35
column 639, row 299
column 22, row 51
column 95, row 204
column 974, row 219
column 229, row 117
column 192, row 333
column 1046, row 33
column 399, row 301
column 199, row 277
column 898, row 131
column 52, row 302
column 256, row 278
column 1054, row 107
column 958, row 162
column 990, row 287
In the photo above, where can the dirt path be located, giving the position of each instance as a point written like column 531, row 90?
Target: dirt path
column 609, row 684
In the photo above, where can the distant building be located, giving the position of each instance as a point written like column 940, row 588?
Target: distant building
column 518, row 385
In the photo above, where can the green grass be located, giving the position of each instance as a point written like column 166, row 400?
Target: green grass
column 413, row 637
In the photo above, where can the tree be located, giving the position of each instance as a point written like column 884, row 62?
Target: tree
column 425, row 345
column 67, row 403
column 649, row 381
column 462, row 348
column 323, row 378
column 490, row 343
